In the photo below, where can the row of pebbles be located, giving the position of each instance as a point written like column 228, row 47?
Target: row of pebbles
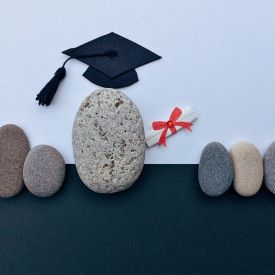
column 41, row 169
column 108, row 144
column 243, row 166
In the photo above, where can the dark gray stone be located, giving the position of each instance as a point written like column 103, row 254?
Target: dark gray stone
column 269, row 168
column 44, row 171
column 108, row 141
column 215, row 170
column 14, row 146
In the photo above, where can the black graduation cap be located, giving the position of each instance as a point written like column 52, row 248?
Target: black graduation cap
column 111, row 59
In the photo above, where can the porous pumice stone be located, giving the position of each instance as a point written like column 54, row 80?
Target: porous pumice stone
column 14, row 146
column 215, row 170
column 269, row 168
column 108, row 141
column 248, row 168
column 44, row 171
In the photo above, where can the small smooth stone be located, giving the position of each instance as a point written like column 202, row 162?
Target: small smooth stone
column 215, row 170
column 14, row 146
column 108, row 141
column 269, row 168
column 44, row 171
column 248, row 168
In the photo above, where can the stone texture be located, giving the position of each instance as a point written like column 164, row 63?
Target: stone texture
column 269, row 168
column 14, row 146
column 44, row 171
column 248, row 168
column 108, row 141
column 215, row 170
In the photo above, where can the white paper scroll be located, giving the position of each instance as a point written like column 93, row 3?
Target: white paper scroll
column 152, row 137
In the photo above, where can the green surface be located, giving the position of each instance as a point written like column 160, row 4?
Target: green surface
column 162, row 225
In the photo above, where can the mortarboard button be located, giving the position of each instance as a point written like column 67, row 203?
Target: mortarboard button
column 111, row 59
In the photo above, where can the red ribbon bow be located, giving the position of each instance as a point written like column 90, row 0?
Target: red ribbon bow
column 170, row 124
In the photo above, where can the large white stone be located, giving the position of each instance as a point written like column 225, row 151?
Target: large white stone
column 108, row 141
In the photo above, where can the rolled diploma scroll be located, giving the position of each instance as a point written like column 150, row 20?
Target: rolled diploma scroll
column 152, row 137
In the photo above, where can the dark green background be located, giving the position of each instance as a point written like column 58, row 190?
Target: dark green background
column 162, row 225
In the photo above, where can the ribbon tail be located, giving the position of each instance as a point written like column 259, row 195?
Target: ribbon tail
column 176, row 113
column 185, row 125
column 162, row 139
column 173, row 130
column 157, row 125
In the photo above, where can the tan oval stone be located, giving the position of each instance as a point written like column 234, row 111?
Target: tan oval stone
column 248, row 168
column 14, row 146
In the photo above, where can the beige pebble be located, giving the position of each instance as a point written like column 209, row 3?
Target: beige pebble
column 248, row 168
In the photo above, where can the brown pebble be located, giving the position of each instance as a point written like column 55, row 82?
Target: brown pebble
column 14, row 146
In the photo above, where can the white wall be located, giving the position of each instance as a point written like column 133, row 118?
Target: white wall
column 218, row 56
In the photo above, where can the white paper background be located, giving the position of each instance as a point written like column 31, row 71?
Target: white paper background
column 218, row 56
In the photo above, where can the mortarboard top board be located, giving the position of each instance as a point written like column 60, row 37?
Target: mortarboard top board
column 129, row 54
column 111, row 59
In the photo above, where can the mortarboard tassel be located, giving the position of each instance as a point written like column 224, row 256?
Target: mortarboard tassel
column 47, row 93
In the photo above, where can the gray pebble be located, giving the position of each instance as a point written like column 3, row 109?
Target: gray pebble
column 215, row 170
column 269, row 168
column 14, row 146
column 44, row 171
column 108, row 141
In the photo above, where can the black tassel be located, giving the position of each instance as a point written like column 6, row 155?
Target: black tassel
column 47, row 93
